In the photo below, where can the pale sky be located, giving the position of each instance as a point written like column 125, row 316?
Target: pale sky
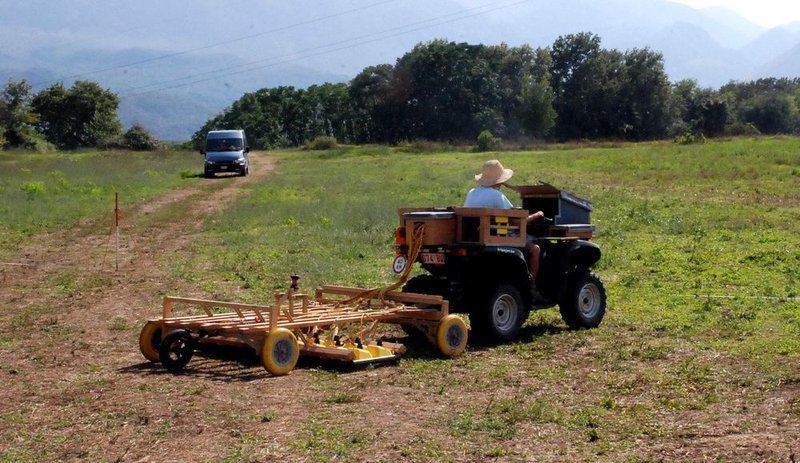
column 767, row 13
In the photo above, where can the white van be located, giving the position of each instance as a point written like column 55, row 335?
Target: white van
column 226, row 151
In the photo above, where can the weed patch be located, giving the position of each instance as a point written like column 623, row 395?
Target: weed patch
column 326, row 441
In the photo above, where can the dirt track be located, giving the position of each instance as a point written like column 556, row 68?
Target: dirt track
column 74, row 382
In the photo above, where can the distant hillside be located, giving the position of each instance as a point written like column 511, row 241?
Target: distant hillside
column 176, row 67
column 769, row 45
column 786, row 65
column 690, row 52
column 156, row 94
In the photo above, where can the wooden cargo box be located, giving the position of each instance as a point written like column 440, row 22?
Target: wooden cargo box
column 440, row 225
column 494, row 227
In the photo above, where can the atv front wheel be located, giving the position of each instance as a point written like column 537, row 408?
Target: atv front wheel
column 498, row 315
column 584, row 303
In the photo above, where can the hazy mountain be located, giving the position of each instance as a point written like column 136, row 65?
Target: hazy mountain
column 785, row 65
column 793, row 27
column 690, row 52
column 176, row 64
column 738, row 31
column 770, row 45
column 621, row 23
column 171, row 97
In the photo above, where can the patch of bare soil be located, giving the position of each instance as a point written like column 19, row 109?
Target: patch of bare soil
column 74, row 384
column 76, row 388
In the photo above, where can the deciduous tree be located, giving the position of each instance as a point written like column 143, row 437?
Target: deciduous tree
column 80, row 116
column 573, row 75
column 536, row 113
column 16, row 115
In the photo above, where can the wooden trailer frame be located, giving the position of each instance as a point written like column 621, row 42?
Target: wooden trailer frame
column 296, row 324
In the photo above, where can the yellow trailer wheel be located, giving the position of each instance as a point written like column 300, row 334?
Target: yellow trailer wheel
column 280, row 352
column 150, row 340
column 451, row 336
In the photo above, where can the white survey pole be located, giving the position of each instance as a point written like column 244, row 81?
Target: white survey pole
column 116, row 226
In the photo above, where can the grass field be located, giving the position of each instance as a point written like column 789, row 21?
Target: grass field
column 698, row 357
column 46, row 192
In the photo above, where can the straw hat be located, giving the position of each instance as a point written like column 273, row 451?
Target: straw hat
column 493, row 174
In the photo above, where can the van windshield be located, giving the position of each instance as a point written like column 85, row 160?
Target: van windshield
column 224, row 144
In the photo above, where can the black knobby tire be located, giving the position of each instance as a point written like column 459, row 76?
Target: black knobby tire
column 498, row 314
column 176, row 350
column 584, row 303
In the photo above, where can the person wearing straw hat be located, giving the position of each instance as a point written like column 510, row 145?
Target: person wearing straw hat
column 488, row 194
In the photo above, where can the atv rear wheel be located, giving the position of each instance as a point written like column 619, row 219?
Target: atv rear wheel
column 584, row 303
column 498, row 314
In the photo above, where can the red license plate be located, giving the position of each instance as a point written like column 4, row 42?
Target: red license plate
column 436, row 258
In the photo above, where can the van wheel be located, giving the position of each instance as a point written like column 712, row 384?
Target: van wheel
column 498, row 315
column 208, row 174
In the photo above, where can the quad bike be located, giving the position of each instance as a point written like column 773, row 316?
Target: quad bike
column 477, row 259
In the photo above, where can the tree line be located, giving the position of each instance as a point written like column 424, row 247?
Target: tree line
column 572, row 90
column 84, row 115
column 443, row 91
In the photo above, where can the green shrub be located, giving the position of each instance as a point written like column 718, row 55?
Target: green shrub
column 39, row 145
column 320, row 143
column 28, row 140
column 689, row 138
column 743, row 129
column 137, row 138
column 487, row 142
column 33, row 188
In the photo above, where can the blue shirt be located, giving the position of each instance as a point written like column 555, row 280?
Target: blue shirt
column 486, row 196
